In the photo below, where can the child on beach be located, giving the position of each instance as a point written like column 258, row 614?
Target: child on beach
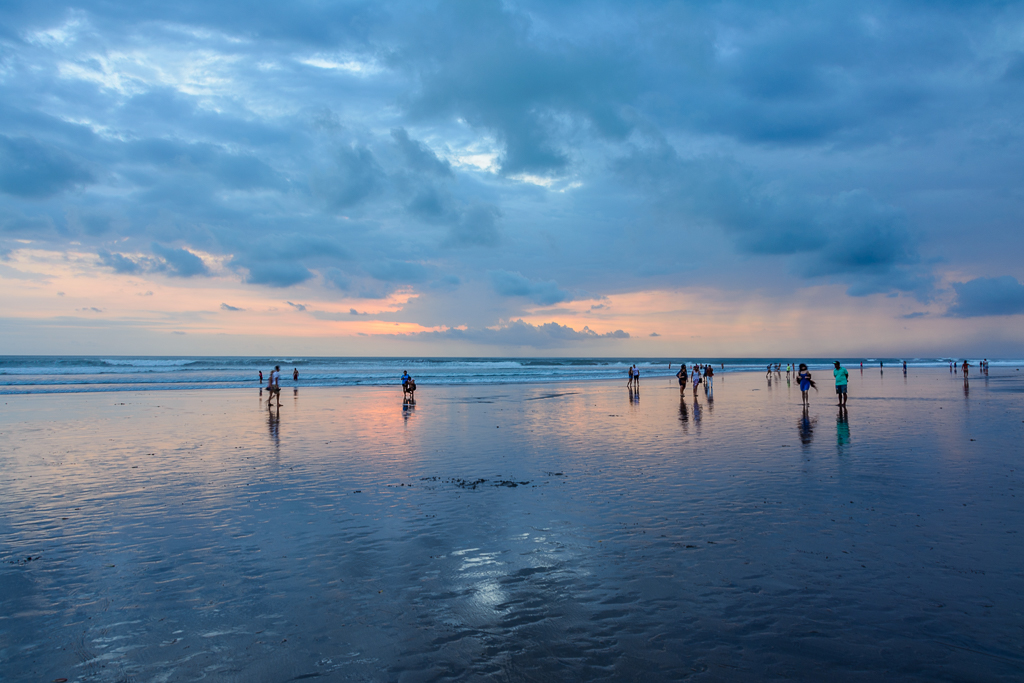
column 697, row 379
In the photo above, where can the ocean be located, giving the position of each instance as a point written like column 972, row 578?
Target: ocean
column 64, row 374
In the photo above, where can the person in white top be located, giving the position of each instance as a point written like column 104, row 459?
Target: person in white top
column 275, row 385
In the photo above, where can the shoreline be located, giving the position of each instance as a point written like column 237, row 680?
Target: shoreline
column 69, row 389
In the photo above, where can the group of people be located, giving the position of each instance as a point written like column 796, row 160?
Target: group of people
column 701, row 374
column 841, row 375
column 408, row 386
column 965, row 367
column 274, row 383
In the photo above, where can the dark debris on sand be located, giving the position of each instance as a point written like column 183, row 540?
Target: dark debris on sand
column 474, row 483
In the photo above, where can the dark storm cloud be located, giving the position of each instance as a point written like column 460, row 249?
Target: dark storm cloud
column 987, row 296
column 394, row 144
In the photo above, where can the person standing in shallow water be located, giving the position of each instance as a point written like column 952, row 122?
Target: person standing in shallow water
column 295, row 375
column 842, row 380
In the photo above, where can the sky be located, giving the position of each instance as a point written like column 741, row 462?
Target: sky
column 486, row 178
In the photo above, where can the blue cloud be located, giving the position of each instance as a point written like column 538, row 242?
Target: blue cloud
column 986, row 296
column 273, row 273
column 120, row 263
column 31, row 169
column 181, row 262
column 228, row 307
column 621, row 148
column 476, row 228
column 420, row 157
column 392, row 270
column 515, row 284
column 517, row 333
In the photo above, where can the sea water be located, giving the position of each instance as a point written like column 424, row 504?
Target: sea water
column 55, row 374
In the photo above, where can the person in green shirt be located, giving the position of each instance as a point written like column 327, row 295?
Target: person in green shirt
column 842, row 380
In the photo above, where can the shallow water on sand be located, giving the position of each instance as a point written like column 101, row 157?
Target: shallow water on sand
column 569, row 531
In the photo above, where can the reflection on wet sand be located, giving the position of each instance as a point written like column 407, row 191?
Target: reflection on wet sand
column 842, row 429
column 806, row 427
column 576, row 542
column 274, row 425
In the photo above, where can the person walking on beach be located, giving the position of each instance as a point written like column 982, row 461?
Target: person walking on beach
column 630, row 382
column 904, row 367
column 275, row 385
column 681, row 376
column 842, row 380
column 709, row 376
column 805, row 383
column 697, row 379
column 964, row 368
column 636, row 377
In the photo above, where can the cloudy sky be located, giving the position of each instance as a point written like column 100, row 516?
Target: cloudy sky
column 525, row 178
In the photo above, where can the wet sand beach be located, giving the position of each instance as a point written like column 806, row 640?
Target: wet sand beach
column 567, row 531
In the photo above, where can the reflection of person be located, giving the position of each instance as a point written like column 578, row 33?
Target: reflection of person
column 806, row 428
column 273, row 423
column 842, row 380
column 842, row 428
